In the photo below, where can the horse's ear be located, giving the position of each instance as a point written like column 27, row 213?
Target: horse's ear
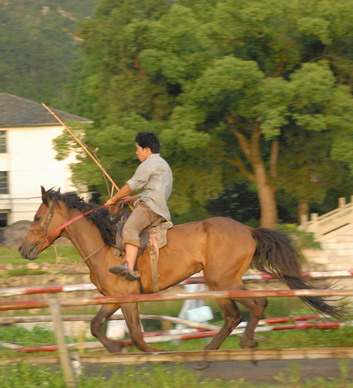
column 44, row 196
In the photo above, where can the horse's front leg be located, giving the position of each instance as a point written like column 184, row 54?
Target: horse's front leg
column 132, row 319
column 104, row 313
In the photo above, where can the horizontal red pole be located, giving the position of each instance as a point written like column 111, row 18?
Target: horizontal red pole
column 19, row 305
column 165, row 336
column 192, row 280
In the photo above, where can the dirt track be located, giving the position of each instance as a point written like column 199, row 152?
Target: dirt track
column 263, row 372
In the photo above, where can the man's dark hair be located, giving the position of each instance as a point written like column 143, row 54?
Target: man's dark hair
column 148, row 140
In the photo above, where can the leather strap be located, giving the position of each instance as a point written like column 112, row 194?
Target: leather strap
column 67, row 223
column 154, row 254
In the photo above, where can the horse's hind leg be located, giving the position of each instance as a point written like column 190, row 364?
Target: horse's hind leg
column 96, row 325
column 232, row 318
column 256, row 307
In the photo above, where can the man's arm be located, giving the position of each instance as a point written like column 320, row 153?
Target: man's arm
column 124, row 191
column 129, row 199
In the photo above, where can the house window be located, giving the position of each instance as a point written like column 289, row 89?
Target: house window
column 4, row 184
column 3, row 220
column 3, row 148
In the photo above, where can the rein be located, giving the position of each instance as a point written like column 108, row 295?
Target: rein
column 67, row 223
column 92, row 254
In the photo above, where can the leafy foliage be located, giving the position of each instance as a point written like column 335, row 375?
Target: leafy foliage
column 259, row 88
column 222, row 81
column 301, row 238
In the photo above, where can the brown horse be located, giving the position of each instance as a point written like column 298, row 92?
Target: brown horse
column 221, row 247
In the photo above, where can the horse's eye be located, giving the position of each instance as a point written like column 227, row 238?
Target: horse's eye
column 36, row 218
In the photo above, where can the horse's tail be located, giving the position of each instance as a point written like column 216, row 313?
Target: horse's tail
column 276, row 256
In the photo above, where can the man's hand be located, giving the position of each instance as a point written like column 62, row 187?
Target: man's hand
column 123, row 193
column 110, row 202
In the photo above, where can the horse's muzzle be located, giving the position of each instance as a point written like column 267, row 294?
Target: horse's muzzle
column 28, row 251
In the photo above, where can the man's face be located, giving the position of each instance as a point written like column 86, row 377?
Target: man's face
column 142, row 153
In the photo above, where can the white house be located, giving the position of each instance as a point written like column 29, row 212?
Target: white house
column 27, row 157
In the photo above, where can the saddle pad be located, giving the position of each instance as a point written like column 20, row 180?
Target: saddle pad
column 160, row 232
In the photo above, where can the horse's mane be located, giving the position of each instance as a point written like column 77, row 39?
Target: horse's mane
column 100, row 217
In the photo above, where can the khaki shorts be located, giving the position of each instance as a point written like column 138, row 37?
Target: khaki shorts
column 140, row 219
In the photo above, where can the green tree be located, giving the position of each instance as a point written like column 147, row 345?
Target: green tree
column 125, row 95
column 221, row 80
column 271, row 80
column 312, row 173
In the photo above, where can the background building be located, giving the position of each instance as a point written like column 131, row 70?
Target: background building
column 334, row 232
column 27, row 156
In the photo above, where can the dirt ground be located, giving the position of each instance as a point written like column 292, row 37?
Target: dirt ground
column 262, row 372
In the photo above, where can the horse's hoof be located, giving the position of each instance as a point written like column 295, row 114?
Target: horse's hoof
column 156, row 351
column 117, row 348
column 202, row 365
column 248, row 344
column 121, row 351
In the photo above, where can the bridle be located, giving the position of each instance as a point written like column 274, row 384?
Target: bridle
column 48, row 219
column 46, row 224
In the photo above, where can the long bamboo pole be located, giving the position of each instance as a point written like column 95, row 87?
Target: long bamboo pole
column 83, row 146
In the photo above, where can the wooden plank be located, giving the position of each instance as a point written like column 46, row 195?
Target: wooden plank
column 201, row 356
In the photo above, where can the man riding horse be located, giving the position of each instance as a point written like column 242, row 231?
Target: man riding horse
column 221, row 247
column 155, row 177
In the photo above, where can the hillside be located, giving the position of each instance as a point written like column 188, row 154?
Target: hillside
column 38, row 47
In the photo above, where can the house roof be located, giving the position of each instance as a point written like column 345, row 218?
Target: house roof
column 19, row 112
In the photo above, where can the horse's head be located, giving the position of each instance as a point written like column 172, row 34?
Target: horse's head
column 44, row 223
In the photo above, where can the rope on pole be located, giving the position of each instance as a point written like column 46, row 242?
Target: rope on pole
column 89, row 153
column 83, row 146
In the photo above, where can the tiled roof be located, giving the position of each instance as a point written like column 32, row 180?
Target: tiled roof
column 19, row 112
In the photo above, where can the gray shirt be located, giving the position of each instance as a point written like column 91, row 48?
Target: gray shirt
column 155, row 177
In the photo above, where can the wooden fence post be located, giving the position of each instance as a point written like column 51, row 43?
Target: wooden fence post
column 64, row 356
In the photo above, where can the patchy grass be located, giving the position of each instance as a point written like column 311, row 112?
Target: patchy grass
column 16, row 376
column 53, row 254
column 20, row 336
column 23, row 271
column 157, row 376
